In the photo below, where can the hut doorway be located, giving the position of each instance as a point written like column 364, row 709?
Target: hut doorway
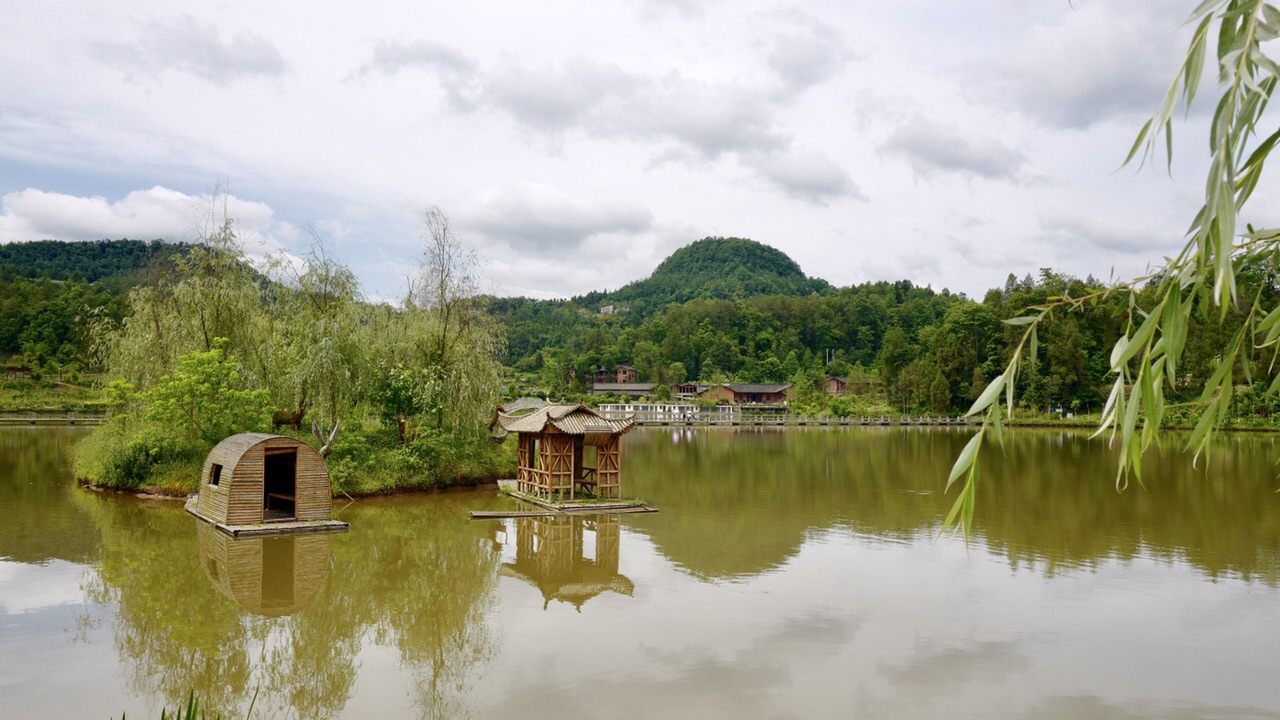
column 279, row 484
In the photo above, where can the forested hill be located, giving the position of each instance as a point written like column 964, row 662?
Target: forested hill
column 82, row 261
column 712, row 269
column 48, row 289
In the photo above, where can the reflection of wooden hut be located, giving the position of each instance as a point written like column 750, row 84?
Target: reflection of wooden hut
column 253, row 478
column 266, row 576
column 550, row 554
column 563, row 447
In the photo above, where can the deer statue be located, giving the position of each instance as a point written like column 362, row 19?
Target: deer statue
column 280, row 418
column 325, row 444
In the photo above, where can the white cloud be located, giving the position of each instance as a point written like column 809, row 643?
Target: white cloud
column 710, row 119
column 186, row 44
column 1076, row 230
column 536, row 216
column 807, row 176
column 1097, row 62
column 812, row 53
column 557, row 99
column 158, row 213
column 931, row 148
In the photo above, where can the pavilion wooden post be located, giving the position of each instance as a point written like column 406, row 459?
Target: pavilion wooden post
column 609, row 469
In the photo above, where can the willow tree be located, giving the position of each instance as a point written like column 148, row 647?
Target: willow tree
column 316, row 352
column 208, row 293
column 443, row 343
column 1220, row 246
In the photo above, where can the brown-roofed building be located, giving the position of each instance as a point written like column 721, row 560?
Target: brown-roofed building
column 836, row 385
column 749, row 393
column 620, row 374
column 563, row 447
column 16, row 372
column 688, row 391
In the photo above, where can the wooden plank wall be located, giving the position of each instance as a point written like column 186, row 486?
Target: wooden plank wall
column 244, row 501
column 237, row 499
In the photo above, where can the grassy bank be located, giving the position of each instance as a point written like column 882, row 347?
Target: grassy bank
column 27, row 395
column 365, row 459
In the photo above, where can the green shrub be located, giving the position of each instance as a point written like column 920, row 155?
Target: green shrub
column 127, row 455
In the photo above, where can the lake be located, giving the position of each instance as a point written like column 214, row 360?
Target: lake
column 789, row 574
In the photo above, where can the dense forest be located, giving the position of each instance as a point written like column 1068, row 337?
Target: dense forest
column 719, row 309
column 918, row 350
column 50, row 292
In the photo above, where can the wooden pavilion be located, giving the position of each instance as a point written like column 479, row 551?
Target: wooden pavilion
column 255, row 483
column 564, row 447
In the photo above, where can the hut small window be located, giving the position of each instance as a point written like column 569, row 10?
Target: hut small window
column 215, row 474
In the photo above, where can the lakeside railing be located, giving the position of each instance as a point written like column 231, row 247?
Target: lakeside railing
column 695, row 418
column 50, row 417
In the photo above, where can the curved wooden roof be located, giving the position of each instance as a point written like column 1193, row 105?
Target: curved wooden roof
column 237, row 445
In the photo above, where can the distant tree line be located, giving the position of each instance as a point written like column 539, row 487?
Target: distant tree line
column 924, row 350
column 929, row 351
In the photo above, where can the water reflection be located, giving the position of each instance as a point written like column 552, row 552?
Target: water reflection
column 38, row 521
column 789, row 574
column 412, row 577
column 569, row 559
column 266, row 576
column 749, row 498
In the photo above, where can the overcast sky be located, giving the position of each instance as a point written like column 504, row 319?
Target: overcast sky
column 575, row 145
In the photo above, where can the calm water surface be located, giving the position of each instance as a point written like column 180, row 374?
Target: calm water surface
column 790, row 574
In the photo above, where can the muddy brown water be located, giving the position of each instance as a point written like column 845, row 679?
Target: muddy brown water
column 790, row 574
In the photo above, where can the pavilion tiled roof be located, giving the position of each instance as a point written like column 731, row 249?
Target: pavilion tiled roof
column 572, row 419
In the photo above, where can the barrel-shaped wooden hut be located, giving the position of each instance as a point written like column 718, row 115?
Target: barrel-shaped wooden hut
column 256, row 478
column 564, row 447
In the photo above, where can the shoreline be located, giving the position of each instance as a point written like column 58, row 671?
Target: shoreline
column 151, row 492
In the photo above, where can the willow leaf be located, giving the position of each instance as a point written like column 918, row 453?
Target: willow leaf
column 965, row 459
column 989, row 394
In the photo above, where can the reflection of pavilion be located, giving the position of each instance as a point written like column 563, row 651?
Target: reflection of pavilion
column 267, row 576
column 550, row 554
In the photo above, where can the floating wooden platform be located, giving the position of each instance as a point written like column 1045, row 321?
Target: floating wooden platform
column 283, row 527
column 483, row 514
column 553, row 509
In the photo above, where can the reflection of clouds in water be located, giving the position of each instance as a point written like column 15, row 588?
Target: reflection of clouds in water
column 688, row 682
column 940, row 671
column 1071, row 707
column 26, row 588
